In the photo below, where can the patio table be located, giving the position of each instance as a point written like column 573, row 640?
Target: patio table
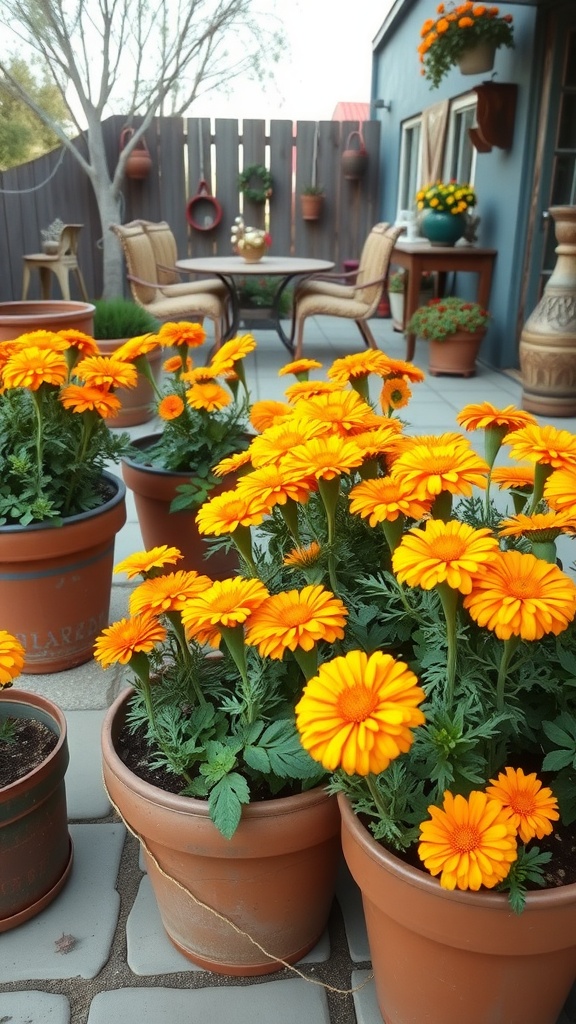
column 229, row 268
column 421, row 257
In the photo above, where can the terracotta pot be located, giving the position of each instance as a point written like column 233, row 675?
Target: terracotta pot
column 477, row 59
column 441, row 227
column 55, row 583
column 354, row 161
column 455, row 355
column 138, row 402
column 154, row 490
column 35, row 847
column 274, row 879
column 139, row 162
column 18, row 318
column 452, row 957
column 311, row 207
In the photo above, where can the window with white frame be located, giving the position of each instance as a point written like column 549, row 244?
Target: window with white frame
column 460, row 155
column 410, row 163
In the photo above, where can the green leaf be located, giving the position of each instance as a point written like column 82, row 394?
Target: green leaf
column 558, row 759
column 225, row 803
column 257, row 759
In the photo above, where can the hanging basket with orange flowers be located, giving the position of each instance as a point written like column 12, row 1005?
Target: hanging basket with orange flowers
column 456, row 30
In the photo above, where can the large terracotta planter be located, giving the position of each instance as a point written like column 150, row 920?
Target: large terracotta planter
column 274, row 879
column 154, row 490
column 55, row 583
column 18, row 318
column 138, row 402
column 455, row 355
column 35, row 847
column 445, row 957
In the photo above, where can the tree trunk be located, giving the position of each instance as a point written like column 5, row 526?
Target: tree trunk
column 107, row 193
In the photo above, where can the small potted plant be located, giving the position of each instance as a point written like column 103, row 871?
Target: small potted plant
column 256, row 296
column 467, row 35
column 312, row 201
column 51, row 237
column 455, row 329
column 443, row 207
column 396, row 287
column 116, row 321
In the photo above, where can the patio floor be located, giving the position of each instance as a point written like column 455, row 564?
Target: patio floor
column 120, row 965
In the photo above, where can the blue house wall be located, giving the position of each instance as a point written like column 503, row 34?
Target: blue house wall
column 503, row 177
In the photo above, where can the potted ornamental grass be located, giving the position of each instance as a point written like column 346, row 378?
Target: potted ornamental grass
column 454, row 329
column 312, row 201
column 204, row 416
column 465, row 35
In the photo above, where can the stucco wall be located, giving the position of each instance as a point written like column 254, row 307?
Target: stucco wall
column 503, row 177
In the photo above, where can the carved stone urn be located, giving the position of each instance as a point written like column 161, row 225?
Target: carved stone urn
column 548, row 339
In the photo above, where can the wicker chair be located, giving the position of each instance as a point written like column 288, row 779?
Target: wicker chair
column 167, row 299
column 326, row 295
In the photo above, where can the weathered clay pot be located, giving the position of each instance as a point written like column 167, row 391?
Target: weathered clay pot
column 455, row 355
column 18, row 318
column 477, row 59
column 274, row 879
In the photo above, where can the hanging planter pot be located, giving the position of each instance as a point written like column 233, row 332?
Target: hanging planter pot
column 139, row 162
column 354, row 157
column 478, row 59
column 311, row 205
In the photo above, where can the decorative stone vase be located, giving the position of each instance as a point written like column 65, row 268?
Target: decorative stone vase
column 35, row 847
column 548, row 339
column 18, row 318
column 447, row 957
column 478, row 59
column 274, row 879
column 455, row 355
column 441, row 227
column 55, row 582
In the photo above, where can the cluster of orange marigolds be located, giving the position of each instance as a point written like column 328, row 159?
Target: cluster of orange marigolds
column 457, row 28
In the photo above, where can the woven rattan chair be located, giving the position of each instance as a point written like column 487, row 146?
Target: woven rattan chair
column 167, row 300
column 62, row 263
column 327, row 295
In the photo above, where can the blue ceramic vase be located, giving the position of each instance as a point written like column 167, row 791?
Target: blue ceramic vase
column 441, row 227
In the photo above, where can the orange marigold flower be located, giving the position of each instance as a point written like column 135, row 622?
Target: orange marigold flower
column 275, row 442
column 32, row 367
column 174, row 363
column 296, row 618
column 517, row 478
column 198, row 375
column 546, row 445
column 133, row 348
column 560, row 488
column 108, row 371
column 274, row 485
column 534, row 807
column 359, row 364
column 384, row 499
column 443, row 553
column 395, row 394
column 302, row 558
column 210, row 397
column 268, row 413
column 323, row 458
column 309, row 388
column 542, row 526
column 225, row 512
column 358, row 712
column 442, row 25
column 12, row 656
column 167, row 593
column 480, row 416
column 432, row 468
column 468, row 842
column 170, row 407
column 120, row 641
column 231, row 351
column 182, row 333
column 428, row 24
column 232, row 463
column 518, row 594
column 42, row 339
column 86, row 398
column 142, row 562
column 299, row 366
column 340, row 412
column 80, row 341
column 227, row 603
column 465, row 22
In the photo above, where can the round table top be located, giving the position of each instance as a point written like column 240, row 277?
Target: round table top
column 232, row 265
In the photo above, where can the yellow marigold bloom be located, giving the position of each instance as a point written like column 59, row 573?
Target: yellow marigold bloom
column 12, row 656
column 133, row 348
column 170, row 407
column 302, row 558
column 80, row 341
column 341, row 412
column 483, row 415
column 86, row 398
column 468, row 842
column 541, row 526
column 296, row 618
column 143, row 562
column 232, row 463
column 275, row 442
column 107, row 371
column 323, row 458
column 534, row 807
column 518, row 594
column 384, row 499
column 309, row 388
column 431, row 469
column 395, row 394
column 443, row 553
column 225, row 512
column 546, row 445
column 226, row 603
column 518, row 477
column 42, row 339
column 32, row 367
column 358, row 712
column 274, row 485
column 182, row 333
column 560, row 488
column 120, row 641
column 231, row 351
column 198, row 375
column 167, row 593
column 359, row 364
column 299, row 366
column 268, row 413
column 208, row 396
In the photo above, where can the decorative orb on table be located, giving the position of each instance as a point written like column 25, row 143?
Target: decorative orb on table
column 249, row 243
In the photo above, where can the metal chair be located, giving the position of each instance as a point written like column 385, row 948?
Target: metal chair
column 166, row 301
column 62, row 263
column 323, row 295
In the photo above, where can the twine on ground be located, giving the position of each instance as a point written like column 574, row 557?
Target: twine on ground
column 226, row 920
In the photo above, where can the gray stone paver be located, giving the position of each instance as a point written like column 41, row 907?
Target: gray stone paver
column 34, row 1007
column 85, row 794
column 365, row 1003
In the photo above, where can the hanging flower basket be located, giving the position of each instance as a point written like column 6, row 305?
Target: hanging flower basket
column 448, row 38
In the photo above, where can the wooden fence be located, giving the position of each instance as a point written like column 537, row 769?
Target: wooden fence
column 183, row 151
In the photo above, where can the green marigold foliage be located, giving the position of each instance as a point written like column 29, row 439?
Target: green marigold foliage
column 456, row 29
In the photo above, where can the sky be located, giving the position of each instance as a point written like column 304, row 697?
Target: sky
column 328, row 60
